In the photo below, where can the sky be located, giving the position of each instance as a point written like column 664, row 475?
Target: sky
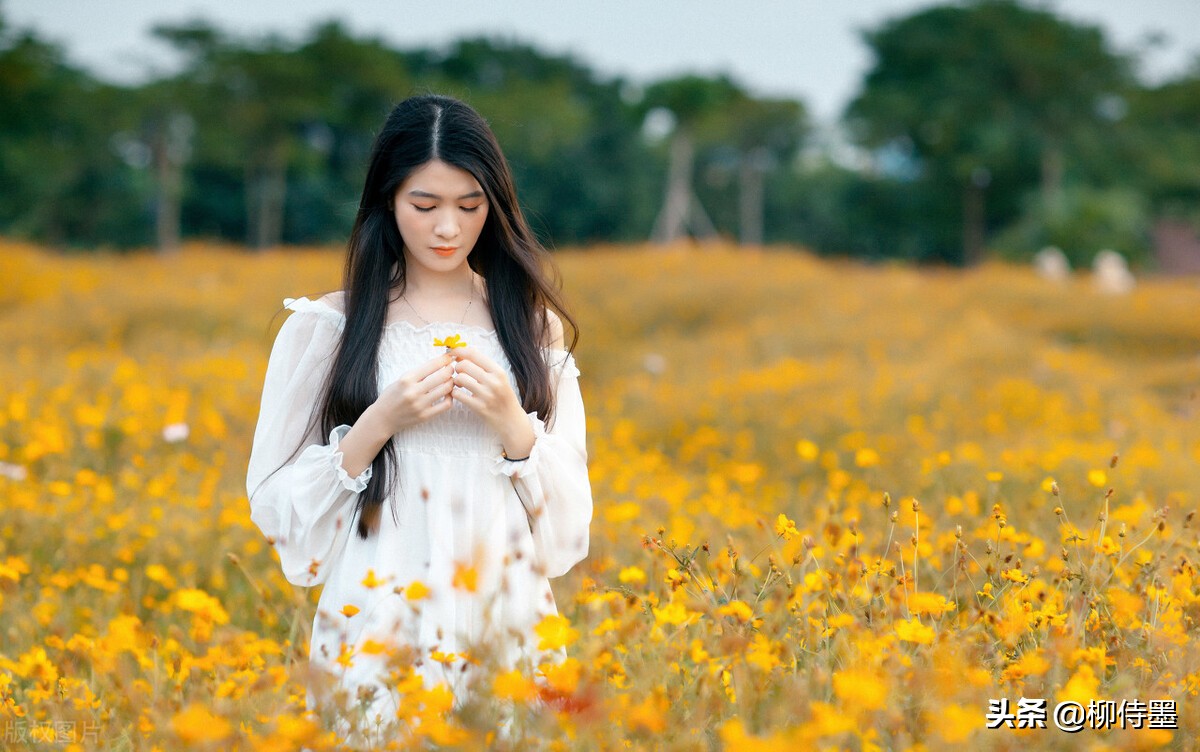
column 811, row 50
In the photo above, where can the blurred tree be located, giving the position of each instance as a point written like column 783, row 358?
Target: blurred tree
column 60, row 176
column 1168, row 153
column 252, row 102
column 697, row 105
column 766, row 134
column 985, row 96
column 356, row 83
column 155, row 134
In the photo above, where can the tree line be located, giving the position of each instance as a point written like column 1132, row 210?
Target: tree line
column 983, row 126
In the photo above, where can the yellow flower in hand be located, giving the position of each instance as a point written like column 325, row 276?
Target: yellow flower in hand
column 454, row 340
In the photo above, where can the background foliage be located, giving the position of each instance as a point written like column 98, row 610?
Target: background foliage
column 985, row 124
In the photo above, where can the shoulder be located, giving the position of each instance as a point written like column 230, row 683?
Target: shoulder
column 554, row 330
column 312, row 318
column 335, row 300
column 330, row 306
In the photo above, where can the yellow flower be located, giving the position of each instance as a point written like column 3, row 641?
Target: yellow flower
column 763, row 654
column 160, row 574
column 912, row 630
column 349, row 609
column 1108, row 547
column 416, row 591
column 202, row 604
column 346, row 656
column 370, row 581
column 632, row 574
column 737, row 609
column 555, row 631
column 454, row 340
column 13, row 568
column 1097, row 478
column 196, row 724
column 371, row 647
column 650, row 714
column 1081, row 687
column 785, row 527
column 807, row 450
column 563, row 676
column 955, row 723
column 674, row 578
column 673, row 613
column 1029, row 664
column 866, row 457
column 1014, row 575
column 465, row 578
column 929, row 603
column 860, row 688
column 513, row 685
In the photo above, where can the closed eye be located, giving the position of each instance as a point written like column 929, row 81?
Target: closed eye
column 431, row 208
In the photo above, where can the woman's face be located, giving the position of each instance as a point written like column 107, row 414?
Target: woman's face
column 440, row 210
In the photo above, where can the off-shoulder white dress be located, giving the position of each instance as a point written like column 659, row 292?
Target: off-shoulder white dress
column 459, row 508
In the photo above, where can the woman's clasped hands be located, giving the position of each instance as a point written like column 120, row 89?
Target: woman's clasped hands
column 465, row 375
column 482, row 386
column 416, row 396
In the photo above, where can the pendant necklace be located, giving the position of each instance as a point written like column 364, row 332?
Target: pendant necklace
column 426, row 321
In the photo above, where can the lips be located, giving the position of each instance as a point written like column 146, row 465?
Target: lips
column 444, row 250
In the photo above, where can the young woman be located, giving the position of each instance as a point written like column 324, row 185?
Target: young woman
column 420, row 449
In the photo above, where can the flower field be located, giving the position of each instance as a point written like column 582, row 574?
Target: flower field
column 837, row 507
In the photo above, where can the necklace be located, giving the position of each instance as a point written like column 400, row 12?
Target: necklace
column 426, row 321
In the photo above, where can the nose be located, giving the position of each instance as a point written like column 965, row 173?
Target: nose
column 447, row 225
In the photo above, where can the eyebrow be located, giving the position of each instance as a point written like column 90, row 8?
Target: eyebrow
column 425, row 194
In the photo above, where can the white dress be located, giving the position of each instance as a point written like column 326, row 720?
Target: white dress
column 458, row 509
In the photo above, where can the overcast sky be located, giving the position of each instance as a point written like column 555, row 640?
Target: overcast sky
column 808, row 49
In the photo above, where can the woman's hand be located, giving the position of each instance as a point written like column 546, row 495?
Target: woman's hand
column 416, row 396
column 483, row 387
column 413, row 398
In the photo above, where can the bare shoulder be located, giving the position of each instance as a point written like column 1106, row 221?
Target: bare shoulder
column 555, row 326
column 335, row 300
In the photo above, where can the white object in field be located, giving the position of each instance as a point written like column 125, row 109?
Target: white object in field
column 1051, row 263
column 1111, row 274
column 654, row 364
column 175, row 432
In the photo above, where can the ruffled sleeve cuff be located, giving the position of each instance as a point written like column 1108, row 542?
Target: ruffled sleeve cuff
column 561, row 361
column 515, row 469
column 357, row 485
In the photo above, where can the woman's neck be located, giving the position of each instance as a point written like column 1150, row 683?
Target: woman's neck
column 451, row 286
column 420, row 282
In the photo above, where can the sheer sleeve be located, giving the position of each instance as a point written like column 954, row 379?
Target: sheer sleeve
column 553, row 482
column 301, row 498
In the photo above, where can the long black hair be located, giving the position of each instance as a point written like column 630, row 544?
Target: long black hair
column 522, row 283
